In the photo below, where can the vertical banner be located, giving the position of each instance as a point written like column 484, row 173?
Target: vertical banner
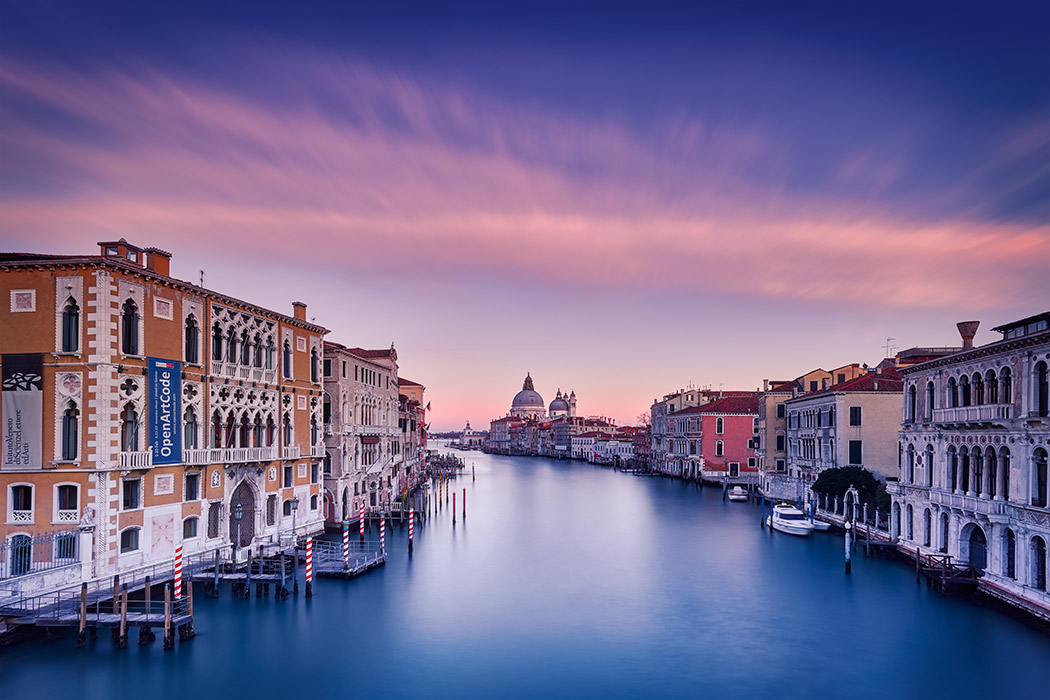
column 22, row 410
column 165, row 401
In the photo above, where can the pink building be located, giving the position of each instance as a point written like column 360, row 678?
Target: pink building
column 717, row 440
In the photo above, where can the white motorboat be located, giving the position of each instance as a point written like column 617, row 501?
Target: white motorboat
column 737, row 493
column 820, row 525
column 789, row 519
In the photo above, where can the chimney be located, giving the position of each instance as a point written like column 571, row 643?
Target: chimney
column 967, row 329
column 824, row 383
column 765, row 385
column 159, row 261
column 299, row 310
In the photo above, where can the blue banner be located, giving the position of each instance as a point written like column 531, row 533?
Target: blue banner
column 165, row 410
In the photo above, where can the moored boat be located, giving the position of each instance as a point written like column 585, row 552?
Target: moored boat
column 820, row 525
column 790, row 520
column 737, row 493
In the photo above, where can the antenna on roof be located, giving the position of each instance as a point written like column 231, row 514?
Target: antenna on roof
column 202, row 278
column 889, row 346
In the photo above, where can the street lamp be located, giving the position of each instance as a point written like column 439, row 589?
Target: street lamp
column 238, row 515
column 295, row 510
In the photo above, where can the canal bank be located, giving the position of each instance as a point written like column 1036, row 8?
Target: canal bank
column 568, row 580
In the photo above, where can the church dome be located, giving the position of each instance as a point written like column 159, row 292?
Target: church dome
column 528, row 398
column 558, row 404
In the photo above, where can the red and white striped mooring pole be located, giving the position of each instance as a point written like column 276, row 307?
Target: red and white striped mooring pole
column 362, row 522
column 382, row 534
column 411, row 526
column 178, row 572
column 309, row 567
column 346, row 544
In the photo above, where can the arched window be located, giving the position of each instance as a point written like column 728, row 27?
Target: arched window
column 977, row 457
column 189, row 527
column 271, row 429
column 313, row 366
column 287, row 362
column 944, row 532
column 928, row 463
column 189, row 429
column 1006, row 386
column 231, row 344
column 287, row 430
column 258, row 431
column 216, row 342
column 1009, row 554
column 1039, row 478
column 216, row 430
column 269, row 352
column 193, row 333
column 129, row 540
column 1004, row 466
column 70, row 432
column 21, row 504
column 129, row 429
column 327, row 463
column 953, row 393
column 313, row 430
column 326, row 409
column 719, row 448
column 911, row 463
column 964, row 464
column 930, row 394
column 719, row 426
column 244, row 434
column 953, row 469
column 1042, row 390
column 71, row 327
column 257, row 358
column 912, row 399
column 229, row 432
column 910, row 523
column 1038, row 568
column 991, row 386
column 246, row 348
column 831, row 416
column 991, row 468
column 129, row 328
column 927, row 526
column 964, row 390
column 978, row 389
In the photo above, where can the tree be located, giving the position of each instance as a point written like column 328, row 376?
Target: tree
column 835, row 482
column 644, row 419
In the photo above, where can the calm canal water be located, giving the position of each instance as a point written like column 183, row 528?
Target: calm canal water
column 568, row 580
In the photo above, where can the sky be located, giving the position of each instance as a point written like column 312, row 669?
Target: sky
column 621, row 199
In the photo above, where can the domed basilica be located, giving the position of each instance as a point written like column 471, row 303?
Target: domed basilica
column 529, row 404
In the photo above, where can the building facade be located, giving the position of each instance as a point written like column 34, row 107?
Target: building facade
column 974, row 440
column 148, row 411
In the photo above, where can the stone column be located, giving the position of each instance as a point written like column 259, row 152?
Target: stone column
column 86, row 547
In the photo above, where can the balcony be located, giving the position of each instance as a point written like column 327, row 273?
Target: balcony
column 21, row 516
column 232, row 370
column 136, row 460
column 317, row 451
column 68, row 516
column 207, row 456
column 290, row 452
column 249, row 454
column 991, row 413
column 973, row 504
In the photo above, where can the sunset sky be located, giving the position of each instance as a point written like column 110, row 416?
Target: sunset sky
column 619, row 199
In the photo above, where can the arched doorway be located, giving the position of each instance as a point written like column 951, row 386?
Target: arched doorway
column 978, row 546
column 21, row 553
column 244, row 497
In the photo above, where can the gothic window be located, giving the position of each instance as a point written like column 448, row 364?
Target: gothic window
column 719, row 448
column 216, row 342
column 193, row 332
column 911, row 464
column 246, row 348
column 189, row 429
column 910, row 523
column 953, row 468
column 928, row 462
column 928, row 412
column 287, row 429
column 129, row 328
column 1042, row 390
column 257, row 359
column 978, row 389
column 719, row 426
column 977, row 457
column 231, row 344
column 910, row 414
column 229, row 434
column 1038, row 567
column 313, row 366
column 1009, row 554
column 953, row 393
column 313, row 431
column 1004, row 465
column 71, row 327
column 1006, row 386
column 216, row 430
column 269, row 352
column 1039, row 484
column 991, row 387
column 129, row 429
column 244, row 436
column 926, row 527
column 287, row 361
column 257, row 429
column 70, row 432
column 964, row 390
column 270, row 430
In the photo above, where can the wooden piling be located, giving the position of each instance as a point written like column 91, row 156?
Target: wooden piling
column 122, row 639
column 189, row 604
column 82, row 633
column 464, row 503
column 116, row 592
column 169, row 634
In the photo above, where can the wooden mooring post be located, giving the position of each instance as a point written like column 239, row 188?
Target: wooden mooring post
column 122, row 638
column 169, row 633
column 82, row 632
column 145, row 633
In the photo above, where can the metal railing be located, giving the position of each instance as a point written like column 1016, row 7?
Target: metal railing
column 27, row 554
